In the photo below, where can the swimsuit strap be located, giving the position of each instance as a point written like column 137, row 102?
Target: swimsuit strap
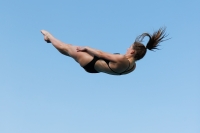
column 107, row 62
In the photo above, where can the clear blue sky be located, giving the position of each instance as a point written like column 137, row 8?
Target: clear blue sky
column 42, row 91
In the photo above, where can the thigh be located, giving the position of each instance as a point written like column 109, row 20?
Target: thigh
column 83, row 58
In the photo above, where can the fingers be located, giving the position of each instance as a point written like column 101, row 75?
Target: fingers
column 80, row 49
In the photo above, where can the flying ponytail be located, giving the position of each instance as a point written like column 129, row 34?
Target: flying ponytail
column 154, row 39
column 152, row 44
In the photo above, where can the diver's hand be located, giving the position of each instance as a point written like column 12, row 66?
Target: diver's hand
column 81, row 49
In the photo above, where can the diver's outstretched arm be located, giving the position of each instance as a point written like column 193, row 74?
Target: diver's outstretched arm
column 101, row 54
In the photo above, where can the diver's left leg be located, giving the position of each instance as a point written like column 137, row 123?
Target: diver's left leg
column 82, row 58
column 60, row 46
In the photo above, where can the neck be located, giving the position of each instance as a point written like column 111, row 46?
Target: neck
column 130, row 58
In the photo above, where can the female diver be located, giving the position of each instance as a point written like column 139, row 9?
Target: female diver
column 95, row 61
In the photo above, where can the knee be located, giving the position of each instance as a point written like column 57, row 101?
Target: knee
column 67, row 49
column 62, row 49
column 63, row 52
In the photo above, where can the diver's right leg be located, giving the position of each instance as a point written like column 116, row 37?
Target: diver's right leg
column 60, row 46
column 82, row 58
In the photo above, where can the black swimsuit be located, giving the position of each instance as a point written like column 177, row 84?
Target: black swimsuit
column 90, row 66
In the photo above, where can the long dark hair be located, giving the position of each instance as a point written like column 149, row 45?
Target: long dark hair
column 152, row 44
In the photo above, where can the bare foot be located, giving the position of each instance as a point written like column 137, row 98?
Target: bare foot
column 47, row 36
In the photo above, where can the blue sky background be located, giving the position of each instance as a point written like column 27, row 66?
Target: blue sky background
column 42, row 91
